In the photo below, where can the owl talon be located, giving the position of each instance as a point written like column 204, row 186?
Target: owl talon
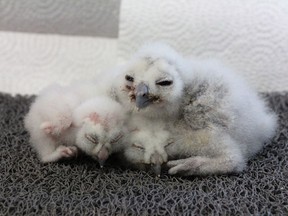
column 186, row 166
column 67, row 151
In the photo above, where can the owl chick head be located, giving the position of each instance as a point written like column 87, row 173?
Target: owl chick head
column 100, row 122
column 151, row 82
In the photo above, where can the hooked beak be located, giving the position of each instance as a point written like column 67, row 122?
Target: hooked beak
column 142, row 96
column 157, row 161
column 102, row 156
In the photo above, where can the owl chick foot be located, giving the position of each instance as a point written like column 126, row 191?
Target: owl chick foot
column 204, row 166
column 61, row 152
column 188, row 166
column 68, row 151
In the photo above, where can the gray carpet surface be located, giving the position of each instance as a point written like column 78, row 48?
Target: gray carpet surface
column 80, row 187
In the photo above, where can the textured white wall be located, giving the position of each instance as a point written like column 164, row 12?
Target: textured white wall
column 29, row 62
column 249, row 35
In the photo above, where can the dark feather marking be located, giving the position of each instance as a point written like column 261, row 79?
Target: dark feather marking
column 202, row 105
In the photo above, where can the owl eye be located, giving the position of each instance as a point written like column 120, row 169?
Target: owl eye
column 92, row 138
column 170, row 141
column 129, row 78
column 137, row 146
column 117, row 138
column 164, row 82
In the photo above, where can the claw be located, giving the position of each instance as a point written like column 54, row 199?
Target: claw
column 101, row 163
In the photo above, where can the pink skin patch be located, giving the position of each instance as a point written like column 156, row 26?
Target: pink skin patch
column 47, row 127
column 51, row 129
column 56, row 128
column 95, row 118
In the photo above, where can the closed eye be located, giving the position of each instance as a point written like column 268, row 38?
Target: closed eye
column 164, row 82
column 168, row 144
column 137, row 146
column 92, row 138
column 117, row 138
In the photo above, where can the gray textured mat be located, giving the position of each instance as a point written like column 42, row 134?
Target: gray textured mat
column 80, row 188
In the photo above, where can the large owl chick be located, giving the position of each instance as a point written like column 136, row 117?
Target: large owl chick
column 218, row 122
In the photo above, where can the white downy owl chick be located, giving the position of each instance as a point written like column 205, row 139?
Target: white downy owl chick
column 49, row 119
column 145, row 144
column 100, row 123
column 217, row 121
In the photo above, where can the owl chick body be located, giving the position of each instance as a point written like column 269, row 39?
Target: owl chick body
column 50, row 118
column 145, row 144
column 216, row 120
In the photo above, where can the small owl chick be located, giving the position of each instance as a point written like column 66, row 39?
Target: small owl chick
column 217, row 121
column 100, row 123
column 50, row 118
column 145, row 144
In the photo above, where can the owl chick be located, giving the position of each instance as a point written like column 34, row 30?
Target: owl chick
column 50, row 118
column 145, row 144
column 216, row 120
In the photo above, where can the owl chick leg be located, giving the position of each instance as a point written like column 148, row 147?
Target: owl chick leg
column 228, row 159
column 60, row 152
column 49, row 150
column 204, row 166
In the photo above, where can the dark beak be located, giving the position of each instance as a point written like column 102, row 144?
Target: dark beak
column 156, row 161
column 142, row 96
column 102, row 156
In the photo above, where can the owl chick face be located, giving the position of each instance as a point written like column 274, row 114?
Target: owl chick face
column 98, row 136
column 100, row 127
column 147, row 149
column 152, row 85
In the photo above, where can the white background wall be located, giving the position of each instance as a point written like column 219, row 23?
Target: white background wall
column 249, row 35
